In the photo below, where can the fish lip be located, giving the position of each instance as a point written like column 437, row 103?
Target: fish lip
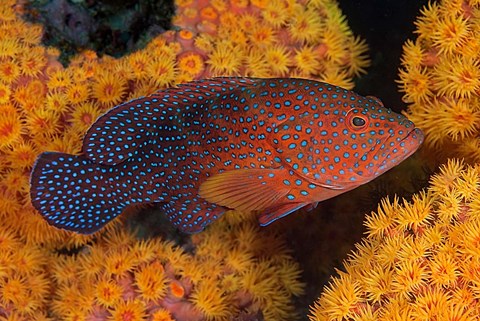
column 415, row 135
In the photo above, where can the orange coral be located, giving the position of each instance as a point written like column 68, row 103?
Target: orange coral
column 119, row 276
column 249, row 30
column 418, row 259
column 11, row 127
column 440, row 78
column 24, row 277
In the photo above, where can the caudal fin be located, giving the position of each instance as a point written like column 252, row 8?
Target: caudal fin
column 73, row 193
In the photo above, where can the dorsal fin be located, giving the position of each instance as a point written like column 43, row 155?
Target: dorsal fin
column 116, row 135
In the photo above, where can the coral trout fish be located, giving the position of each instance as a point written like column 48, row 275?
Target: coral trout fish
column 198, row 149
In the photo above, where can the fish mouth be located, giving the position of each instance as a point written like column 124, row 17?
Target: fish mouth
column 403, row 149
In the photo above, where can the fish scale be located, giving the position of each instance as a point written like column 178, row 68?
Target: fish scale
column 198, row 149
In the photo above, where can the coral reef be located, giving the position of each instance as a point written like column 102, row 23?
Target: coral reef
column 419, row 260
column 440, row 78
column 229, row 270
column 271, row 39
column 235, row 270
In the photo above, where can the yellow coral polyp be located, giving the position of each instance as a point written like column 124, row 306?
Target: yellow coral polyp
column 8, row 242
column 162, row 71
column 413, row 54
column 191, row 64
column 162, row 315
column 14, row 292
column 276, row 13
column 461, row 115
column 108, row 89
column 417, row 214
column 10, row 47
column 256, row 65
column 32, row 61
column 458, row 78
column 278, row 59
column 443, row 270
column 9, row 71
column 306, row 61
column 77, row 93
column 119, row 262
column 225, row 59
column 59, row 79
column 262, row 36
column 416, row 84
column 378, row 283
column 432, row 304
column 43, row 122
column 84, row 115
column 451, row 32
column 338, row 300
column 151, row 282
column 355, row 58
column 129, row 311
column 306, row 26
column 108, row 293
column 11, row 126
column 211, row 301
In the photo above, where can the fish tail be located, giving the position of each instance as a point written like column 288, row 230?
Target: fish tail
column 73, row 193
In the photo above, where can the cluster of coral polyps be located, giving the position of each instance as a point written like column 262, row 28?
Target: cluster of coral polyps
column 440, row 77
column 234, row 271
column 25, row 284
column 270, row 39
column 420, row 260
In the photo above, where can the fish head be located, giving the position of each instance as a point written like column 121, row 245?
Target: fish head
column 345, row 145
column 382, row 137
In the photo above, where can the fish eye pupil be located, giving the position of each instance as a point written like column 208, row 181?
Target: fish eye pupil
column 358, row 121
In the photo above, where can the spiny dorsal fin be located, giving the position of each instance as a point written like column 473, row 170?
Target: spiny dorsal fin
column 116, row 135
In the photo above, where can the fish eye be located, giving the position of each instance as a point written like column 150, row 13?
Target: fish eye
column 356, row 121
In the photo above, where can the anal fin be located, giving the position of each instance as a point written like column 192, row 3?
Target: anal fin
column 192, row 215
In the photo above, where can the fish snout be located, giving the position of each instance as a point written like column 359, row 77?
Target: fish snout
column 402, row 150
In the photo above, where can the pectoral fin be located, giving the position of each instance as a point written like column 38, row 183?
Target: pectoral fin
column 274, row 213
column 246, row 189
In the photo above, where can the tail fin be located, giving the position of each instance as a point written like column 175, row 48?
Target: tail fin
column 73, row 193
